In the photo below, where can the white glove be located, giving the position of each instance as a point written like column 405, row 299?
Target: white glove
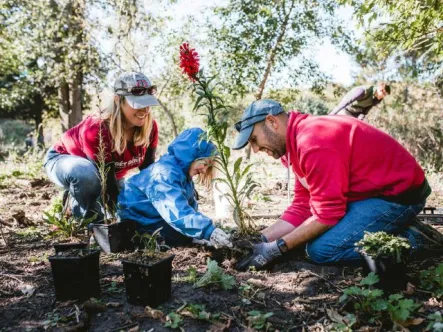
column 202, row 242
column 220, row 239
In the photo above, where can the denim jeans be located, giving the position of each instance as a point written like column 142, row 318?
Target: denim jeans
column 79, row 176
column 172, row 237
column 372, row 215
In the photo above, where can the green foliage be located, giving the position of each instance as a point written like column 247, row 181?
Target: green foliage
column 54, row 319
column 249, row 292
column 432, row 279
column 66, row 227
column 29, row 233
column 238, row 179
column 192, row 275
column 410, row 26
column 400, row 309
column 435, row 322
column 149, row 242
column 215, row 275
column 258, row 320
column 198, row 311
column 369, row 302
column 257, row 40
column 173, row 320
column 346, row 325
column 381, row 244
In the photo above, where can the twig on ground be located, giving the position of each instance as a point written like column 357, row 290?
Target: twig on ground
column 329, row 282
column 10, row 276
column 3, row 235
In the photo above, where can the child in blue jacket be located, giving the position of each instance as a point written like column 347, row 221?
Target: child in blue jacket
column 163, row 196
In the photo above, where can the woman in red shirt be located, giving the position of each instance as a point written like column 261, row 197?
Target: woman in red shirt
column 129, row 137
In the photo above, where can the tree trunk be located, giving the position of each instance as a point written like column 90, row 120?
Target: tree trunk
column 269, row 65
column 38, row 114
column 170, row 116
column 64, row 105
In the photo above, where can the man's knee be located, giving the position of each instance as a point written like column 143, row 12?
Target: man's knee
column 318, row 253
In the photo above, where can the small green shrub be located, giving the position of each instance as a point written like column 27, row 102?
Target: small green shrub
column 258, row 320
column 401, row 309
column 173, row 320
column 215, row 276
column 432, row 280
column 62, row 226
column 381, row 244
column 435, row 322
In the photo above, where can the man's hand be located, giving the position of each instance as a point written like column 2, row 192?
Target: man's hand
column 263, row 253
column 220, row 239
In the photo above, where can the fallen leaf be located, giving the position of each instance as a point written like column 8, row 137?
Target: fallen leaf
column 27, row 289
column 413, row 321
column 154, row 313
column 410, row 289
column 219, row 326
column 335, row 316
column 113, row 304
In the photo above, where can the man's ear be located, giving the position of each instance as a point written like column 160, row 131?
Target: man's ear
column 272, row 121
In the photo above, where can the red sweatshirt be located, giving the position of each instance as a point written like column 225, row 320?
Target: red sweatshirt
column 83, row 141
column 338, row 159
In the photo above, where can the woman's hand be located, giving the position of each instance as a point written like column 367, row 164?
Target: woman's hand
column 220, row 239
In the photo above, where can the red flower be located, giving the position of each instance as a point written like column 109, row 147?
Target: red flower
column 189, row 61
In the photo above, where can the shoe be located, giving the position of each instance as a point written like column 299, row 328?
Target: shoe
column 432, row 239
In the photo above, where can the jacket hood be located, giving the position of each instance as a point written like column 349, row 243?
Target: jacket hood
column 189, row 146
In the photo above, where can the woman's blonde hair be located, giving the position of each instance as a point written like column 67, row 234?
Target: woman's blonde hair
column 116, row 121
column 206, row 178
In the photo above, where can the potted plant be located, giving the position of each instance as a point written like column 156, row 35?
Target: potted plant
column 148, row 272
column 385, row 255
column 66, row 227
column 111, row 236
column 76, row 274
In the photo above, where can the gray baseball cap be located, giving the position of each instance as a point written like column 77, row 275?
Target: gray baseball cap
column 254, row 113
column 137, row 89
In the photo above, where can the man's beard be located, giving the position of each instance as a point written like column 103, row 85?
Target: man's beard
column 276, row 144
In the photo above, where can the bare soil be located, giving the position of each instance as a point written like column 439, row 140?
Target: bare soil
column 300, row 295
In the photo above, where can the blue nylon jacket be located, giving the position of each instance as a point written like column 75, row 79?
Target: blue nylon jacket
column 164, row 190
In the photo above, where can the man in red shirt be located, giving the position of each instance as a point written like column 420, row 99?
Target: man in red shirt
column 350, row 178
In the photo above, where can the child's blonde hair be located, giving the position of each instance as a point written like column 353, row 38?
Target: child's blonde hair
column 206, row 178
column 116, row 121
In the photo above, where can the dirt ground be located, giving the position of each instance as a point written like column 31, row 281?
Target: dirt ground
column 301, row 296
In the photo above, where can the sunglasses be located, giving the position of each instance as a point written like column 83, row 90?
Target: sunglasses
column 138, row 91
column 238, row 125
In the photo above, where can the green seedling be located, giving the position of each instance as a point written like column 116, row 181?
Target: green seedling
column 432, row 280
column 215, row 276
column 62, row 226
column 29, row 233
column 435, row 322
column 250, row 292
column 54, row 318
column 346, row 325
column 258, row 320
column 173, row 320
column 368, row 301
column 149, row 242
column 115, row 287
column 401, row 309
column 198, row 311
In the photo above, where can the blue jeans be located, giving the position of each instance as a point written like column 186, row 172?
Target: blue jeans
column 79, row 176
column 372, row 215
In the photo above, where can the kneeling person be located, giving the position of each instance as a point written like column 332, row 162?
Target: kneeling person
column 163, row 195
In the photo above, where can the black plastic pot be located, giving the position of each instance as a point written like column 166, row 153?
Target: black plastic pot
column 76, row 277
column 115, row 237
column 392, row 274
column 148, row 284
column 59, row 247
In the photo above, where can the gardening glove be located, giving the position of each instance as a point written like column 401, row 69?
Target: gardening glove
column 220, row 239
column 262, row 254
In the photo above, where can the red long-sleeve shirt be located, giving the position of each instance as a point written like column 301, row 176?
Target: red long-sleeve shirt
column 338, row 159
column 83, row 141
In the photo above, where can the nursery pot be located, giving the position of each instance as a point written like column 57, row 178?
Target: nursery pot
column 115, row 237
column 392, row 274
column 148, row 284
column 76, row 276
column 60, row 247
